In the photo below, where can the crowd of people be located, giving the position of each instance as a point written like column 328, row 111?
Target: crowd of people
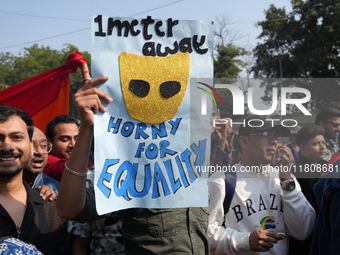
column 276, row 198
column 263, row 207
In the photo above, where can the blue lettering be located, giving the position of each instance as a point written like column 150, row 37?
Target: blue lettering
column 113, row 125
column 181, row 172
column 127, row 129
column 175, row 185
column 147, row 181
column 164, row 150
column 139, row 150
column 175, row 125
column 140, row 131
column 159, row 177
column 200, row 152
column 121, row 185
column 185, row 157
column 152, row 151
column 161, row 132
column 105, row 176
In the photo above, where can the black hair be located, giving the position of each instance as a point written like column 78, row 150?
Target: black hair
column 7, row 112
column 334, row 104
column 50, row 128
column 326, row 112
column 306, row 134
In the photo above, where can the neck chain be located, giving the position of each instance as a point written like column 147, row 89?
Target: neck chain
column 19, row 227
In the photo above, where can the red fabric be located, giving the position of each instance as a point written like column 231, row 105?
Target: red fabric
column 55, row 167
column 57, row 107
column 39, row 92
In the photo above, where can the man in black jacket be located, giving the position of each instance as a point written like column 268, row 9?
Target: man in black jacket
column 23, row 213
column 307, row 171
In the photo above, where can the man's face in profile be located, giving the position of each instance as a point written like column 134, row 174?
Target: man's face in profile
column 64, row 139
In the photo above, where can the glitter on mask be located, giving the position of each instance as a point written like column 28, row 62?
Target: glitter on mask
column 154, row 108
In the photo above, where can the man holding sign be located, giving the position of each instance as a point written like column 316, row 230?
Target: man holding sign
column 148, row 162
column 145, row 231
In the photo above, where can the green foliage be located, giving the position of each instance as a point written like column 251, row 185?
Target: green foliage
column 226, row 64
column 3, row 86
column 227, row 61
column 35, row 60
column 306, row 41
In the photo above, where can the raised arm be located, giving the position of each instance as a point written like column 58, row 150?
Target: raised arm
column 72, row 195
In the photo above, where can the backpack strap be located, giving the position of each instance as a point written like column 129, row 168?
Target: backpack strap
column 230, row 184
column 290, row 146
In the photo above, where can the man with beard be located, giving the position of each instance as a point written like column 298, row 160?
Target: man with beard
column 40, row 156
column 62, row 132
column 267, row 202
column 329, row 119
column 144, row 230
column 23, row 213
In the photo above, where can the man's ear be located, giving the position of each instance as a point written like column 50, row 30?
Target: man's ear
column 302, row 149
column 32, row 148
column 243, row 140
column 322, row 124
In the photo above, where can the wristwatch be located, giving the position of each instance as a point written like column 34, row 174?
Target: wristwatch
column 288, row 185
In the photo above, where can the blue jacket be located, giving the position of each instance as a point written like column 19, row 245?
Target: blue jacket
column 327, row 231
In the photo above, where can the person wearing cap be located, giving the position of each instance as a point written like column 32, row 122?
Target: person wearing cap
column 267, row 203
column 294, row 148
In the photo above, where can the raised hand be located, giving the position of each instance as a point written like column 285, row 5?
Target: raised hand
column 87, row 100
column 263, row 240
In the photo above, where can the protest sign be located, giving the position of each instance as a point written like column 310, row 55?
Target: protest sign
column 151, row 145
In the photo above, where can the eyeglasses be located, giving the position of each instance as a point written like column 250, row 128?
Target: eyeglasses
column 46, row 147
column 269, row 136
column 335, row 125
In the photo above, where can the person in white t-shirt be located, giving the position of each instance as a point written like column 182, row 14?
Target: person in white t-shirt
column 266, row 204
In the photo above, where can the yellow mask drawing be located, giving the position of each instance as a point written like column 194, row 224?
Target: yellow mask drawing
column 153, row 87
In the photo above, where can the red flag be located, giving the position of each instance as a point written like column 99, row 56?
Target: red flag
column 46, row 95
